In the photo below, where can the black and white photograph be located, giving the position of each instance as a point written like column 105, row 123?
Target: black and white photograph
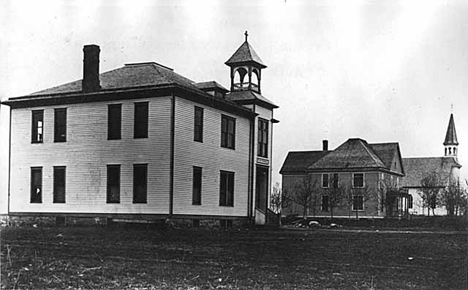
column 208, row 144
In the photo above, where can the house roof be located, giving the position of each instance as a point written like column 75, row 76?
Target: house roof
column 418, row 168
column 245, row 53
column 210, row 85
column 130, row 76
column 451, row 135
column 299, row 161
column 249, row 97
column 386, row 153
column 353, row 154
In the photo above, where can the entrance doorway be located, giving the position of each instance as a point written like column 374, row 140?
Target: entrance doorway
column 261, row 188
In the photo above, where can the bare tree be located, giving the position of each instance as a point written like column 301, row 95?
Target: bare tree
column 431, row 186
column 336, row 193
column 279, row 200
column 451, row 198
column 386, row 187
column 307, row 195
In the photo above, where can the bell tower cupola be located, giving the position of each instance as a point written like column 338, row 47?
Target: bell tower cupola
column 451, row 141
column 246, row 68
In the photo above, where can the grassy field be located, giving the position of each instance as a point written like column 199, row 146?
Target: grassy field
column 148, row 258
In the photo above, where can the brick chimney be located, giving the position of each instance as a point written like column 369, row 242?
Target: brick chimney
column 90, row 81
column 325, row 145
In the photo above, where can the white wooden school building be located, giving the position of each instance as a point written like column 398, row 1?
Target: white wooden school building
column 144, row 142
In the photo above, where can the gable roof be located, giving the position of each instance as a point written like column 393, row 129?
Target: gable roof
column 243, row 97
column 386, row 153
column 299, row 161
column 132, row 75
column 245, row 53
column 418, row 168
column 352, row 154
column 451, row 135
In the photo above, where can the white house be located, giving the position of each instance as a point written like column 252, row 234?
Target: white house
column 142, row 141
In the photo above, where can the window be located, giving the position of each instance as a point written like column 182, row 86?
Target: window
column 325, row 180
column 140, row 129
column 358, row 180
column 410, row 201
column 262, row 138
column 114, row 121
column 140, row 175
column 358, row 202
column 198, row 125
column 113, row 183
column 228, row 132
column 324, row 202
column 197, row 185
column 336, row 180
column 60, row 125
column 59, row 184
column 226, row 191
column 36, row 184
column 37, row 135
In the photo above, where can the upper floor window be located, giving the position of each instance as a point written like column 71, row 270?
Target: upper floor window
column 325, row 180
column 226, row 189
column 198, row 125
column 228, row 132
column 60, row 125
column 197, row 185
column 36, row 185
column 37, row 133
column 113, row 183
column 59, row 184
column 140, row 129
column 114, row 121
column 140, row 183
column 358, row 180
column 262, row 138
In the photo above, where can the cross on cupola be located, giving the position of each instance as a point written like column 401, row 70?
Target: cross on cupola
column 246, row 68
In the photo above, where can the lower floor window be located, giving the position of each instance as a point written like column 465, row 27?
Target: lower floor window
column 410, row 201
column 36, row 185
column 358, row 202
column 325, row 203
column 140, row 181
column 59, row 184
column 113, row 183
column 226, row 189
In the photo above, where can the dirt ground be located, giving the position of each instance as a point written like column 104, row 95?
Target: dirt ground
column 149, row 258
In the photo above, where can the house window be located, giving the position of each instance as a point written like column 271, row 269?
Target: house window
column 140, row 128
column 410, row 201
column 36, row 184
column 198, row 125
column 358, row 202
column 325, row 180
column 262, row 138
column 324, row 202
column 60, row 125
column 228, row 132
column 114, row 121
column 197, row 185
column 140, row 181
column 113, row 183
column 358, row 180
column 59, row 184
column 336, row 180
column 37, row 134
column 226, row 189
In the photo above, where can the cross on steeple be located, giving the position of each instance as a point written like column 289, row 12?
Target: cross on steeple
column 246, row 35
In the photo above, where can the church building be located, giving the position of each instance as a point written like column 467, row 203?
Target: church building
column 446, row 168
column 144, row 142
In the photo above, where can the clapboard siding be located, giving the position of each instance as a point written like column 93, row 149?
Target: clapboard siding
column 86, row 155
column 212, row 158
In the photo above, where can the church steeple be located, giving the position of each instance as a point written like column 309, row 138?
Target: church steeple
column 451, row 141
column 246, row 68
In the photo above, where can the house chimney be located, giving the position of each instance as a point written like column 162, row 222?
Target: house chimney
column 90, row 81
column 325, row 145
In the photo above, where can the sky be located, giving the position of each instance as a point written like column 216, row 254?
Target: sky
column 383, row 71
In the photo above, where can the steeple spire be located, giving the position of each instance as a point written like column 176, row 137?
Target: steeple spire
column 451, row 141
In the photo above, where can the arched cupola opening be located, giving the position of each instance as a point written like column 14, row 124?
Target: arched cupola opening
column 241, row 81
